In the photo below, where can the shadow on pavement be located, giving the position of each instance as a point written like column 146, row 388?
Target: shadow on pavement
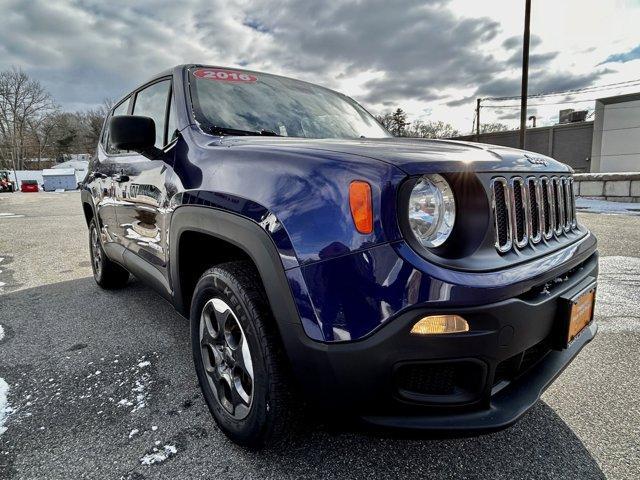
column 66, row 331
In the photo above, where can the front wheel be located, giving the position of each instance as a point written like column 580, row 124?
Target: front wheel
column 106, row 273
column 238, row 357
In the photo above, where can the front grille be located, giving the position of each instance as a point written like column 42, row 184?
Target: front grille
column 526, row 210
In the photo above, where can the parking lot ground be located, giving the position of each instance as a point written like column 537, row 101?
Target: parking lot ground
column 101, row 384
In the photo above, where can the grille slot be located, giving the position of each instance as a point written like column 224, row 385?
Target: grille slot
column 502, row 214
column 568, row 211
column 558, row 202
column 526, row 211
column 535, row 221
column 572, row 197
column 547, row 211
column 519, row 206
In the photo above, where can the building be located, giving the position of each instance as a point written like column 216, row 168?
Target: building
column 79, row 165
column 616, row 134
column 609, row 143
column 568, row 142
column 59, row 179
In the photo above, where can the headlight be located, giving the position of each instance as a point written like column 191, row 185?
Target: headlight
column 432, row 210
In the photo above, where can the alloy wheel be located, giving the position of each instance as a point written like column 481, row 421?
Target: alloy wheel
column 226, row 358
column 96, row 252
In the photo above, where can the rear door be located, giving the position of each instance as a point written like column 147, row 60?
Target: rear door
column 142, row 201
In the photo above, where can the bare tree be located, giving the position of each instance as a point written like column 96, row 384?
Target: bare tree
column 385, row 120
column 492, row 127
column 431, row 129
column 41, row 129
column 22, row 101
column 91, row 122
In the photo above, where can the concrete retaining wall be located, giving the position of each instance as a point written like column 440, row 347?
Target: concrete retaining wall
column 617, row 187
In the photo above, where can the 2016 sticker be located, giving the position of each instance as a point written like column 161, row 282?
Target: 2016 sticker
column 222, row 75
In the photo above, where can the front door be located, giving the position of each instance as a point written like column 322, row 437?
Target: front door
column 103, row 187
column 142, row 185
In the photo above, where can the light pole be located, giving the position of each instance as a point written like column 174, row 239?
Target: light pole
column 525, row 74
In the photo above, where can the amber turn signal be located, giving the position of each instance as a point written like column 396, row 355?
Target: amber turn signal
column 437, row 324
column 361, row 207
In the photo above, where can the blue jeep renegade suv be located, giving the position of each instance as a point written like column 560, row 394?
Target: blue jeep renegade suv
column 415, row 284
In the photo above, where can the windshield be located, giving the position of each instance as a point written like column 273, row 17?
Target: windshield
column 237, row 102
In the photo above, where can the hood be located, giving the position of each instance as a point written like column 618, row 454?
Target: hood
column 413, row 155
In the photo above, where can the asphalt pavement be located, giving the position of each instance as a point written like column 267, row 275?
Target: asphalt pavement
column 101, row 384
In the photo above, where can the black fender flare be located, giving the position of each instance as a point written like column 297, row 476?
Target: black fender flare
column 250, row 237
column 85, row 197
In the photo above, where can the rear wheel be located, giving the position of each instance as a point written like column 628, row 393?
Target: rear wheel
column 106, row 273
column 238, row 357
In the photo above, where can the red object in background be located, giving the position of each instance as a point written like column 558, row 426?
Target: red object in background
column 29, row 186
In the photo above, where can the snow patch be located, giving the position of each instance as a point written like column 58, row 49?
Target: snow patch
column 158, row 456
column 5, row 408
column 618, row 295
column 1, row 327
column 593, row 205
column 140, row 391
column 133, row 432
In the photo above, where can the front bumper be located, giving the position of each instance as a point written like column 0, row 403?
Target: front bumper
column 481, row 380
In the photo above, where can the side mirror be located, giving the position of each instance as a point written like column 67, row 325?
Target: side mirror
column 131, row 132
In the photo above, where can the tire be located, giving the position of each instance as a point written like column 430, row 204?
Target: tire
column 108, row 274
column 230, row 317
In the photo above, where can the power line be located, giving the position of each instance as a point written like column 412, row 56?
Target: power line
column 541, row 104
column 627, row 83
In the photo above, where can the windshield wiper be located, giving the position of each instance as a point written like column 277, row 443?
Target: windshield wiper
column 216, row 130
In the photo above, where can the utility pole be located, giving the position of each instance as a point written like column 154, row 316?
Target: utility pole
column 525, row 74
column 478, row 120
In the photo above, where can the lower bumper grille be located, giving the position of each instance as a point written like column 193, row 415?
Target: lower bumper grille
column 520, row 363
column 441, row 382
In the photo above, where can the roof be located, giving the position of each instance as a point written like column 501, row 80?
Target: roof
column 51, row 172
column 629, row 97
column 75, row 164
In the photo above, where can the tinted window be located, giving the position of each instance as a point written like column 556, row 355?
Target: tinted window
column 253, row 102
column 121, row 109
column 152, row 102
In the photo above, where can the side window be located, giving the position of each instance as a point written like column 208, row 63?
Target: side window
column 121, row 109
column 152, row 102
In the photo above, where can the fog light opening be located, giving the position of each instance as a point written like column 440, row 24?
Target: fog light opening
column 438, row 324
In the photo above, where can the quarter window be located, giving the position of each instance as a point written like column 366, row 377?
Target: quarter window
column 152, row 102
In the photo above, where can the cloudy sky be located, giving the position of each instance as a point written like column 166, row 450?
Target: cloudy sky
column 431, row 57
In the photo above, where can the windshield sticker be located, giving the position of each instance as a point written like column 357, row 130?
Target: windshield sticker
column 222, row 75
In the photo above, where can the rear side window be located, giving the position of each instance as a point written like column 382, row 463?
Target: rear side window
column 152, row 102
column 121, row 109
